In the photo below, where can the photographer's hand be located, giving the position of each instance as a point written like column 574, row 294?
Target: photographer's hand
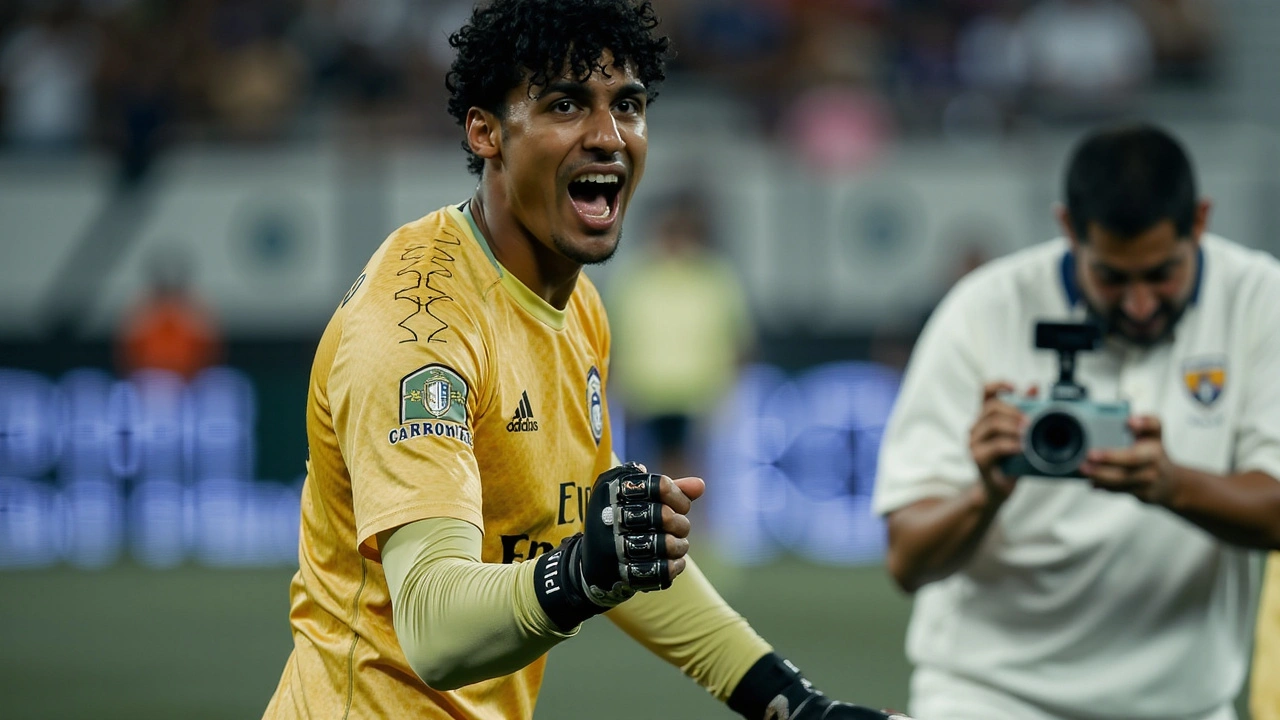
column 996, row 435
column 1142, row 470
column 932, row 537
column 1239, row 508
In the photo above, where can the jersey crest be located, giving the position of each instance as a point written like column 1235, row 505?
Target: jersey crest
column 1205, row 379
column 595, row 403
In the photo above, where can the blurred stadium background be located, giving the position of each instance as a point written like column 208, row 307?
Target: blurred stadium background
column 200, row 181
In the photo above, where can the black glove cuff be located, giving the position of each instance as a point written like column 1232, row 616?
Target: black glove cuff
column 771, row 677
column 558, row 584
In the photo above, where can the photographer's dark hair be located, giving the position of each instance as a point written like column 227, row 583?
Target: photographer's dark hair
column 507, row 38
column 1127, row 179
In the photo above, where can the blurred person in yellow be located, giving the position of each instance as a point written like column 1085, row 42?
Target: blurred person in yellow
column 682, row 327
column 463, row 510
column 1264, row 683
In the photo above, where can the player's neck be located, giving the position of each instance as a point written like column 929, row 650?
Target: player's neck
column 545, row 272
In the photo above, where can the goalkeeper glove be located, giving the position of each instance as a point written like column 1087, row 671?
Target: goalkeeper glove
column 621, row 551
column 774, row 689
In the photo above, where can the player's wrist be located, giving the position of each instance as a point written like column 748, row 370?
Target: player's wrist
column 761, row 688
column 774, row 688
column 558, row 585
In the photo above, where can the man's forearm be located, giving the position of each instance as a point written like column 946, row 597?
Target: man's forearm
column 1243, row 509
column 932, row 538
column 693, row 628
column 459, row 620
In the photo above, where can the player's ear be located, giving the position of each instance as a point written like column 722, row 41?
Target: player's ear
column 1203, row 207
column 484, row 134
column 1064, row 223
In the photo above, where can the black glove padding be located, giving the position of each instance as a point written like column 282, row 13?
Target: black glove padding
column 774, row 689
column 822, row 708
column 622, row 550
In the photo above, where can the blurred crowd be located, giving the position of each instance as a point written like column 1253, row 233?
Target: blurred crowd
column 840, row 74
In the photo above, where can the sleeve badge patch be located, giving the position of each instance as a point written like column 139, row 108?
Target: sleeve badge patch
column 433, row 403
column 433, row 392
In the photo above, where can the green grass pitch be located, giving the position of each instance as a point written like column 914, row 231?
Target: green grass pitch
column 195, row 643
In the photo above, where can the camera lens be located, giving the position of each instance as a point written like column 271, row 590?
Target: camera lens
column 1057, row 438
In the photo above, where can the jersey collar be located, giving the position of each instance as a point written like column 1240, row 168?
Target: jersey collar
column 526, row 298
column 1072, row 290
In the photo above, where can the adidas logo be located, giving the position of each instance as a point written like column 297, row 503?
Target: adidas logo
column 523, row 420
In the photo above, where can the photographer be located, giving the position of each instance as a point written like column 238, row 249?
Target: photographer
column 1127, row 591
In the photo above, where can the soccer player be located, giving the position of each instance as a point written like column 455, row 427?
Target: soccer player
column 463, row 510
column 1131, row 593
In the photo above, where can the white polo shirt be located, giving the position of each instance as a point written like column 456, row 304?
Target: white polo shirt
column 1079, row 598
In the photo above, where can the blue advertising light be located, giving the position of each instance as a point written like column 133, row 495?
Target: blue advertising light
column 93, row 468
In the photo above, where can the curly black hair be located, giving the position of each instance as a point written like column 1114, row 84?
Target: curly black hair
column 506, row 39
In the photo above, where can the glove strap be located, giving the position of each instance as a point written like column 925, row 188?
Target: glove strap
column 772, row 688
column 559, row 587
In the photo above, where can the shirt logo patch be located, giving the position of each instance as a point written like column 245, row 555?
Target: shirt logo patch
column 1205, row 379
column 433, row 392
column 595, row 404
column 522, row 420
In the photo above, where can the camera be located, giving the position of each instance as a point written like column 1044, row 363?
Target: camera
column 1063, row 428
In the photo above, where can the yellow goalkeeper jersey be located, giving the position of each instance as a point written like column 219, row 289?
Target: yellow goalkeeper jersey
column 442, row 387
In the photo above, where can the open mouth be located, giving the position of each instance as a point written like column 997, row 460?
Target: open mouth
column 595, row 198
